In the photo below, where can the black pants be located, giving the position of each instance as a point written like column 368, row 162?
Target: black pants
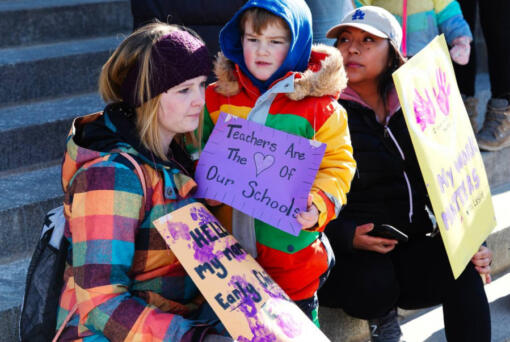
column 415, row 275
column 496, row 30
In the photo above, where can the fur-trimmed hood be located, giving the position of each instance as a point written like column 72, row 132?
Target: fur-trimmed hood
column 325, row 75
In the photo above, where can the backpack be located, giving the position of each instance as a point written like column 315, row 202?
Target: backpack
column 45, row 276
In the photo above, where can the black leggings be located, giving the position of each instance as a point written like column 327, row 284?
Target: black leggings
column 415, row 275
column 496, row 30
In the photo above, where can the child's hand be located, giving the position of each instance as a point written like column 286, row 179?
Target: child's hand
column 461, row 49
column 212, row 203
column 308, row 218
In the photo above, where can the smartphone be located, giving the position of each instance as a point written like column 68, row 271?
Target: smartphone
column 389, row 232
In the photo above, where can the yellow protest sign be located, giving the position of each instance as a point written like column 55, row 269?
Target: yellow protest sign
column 251, row 306
column 447, row 152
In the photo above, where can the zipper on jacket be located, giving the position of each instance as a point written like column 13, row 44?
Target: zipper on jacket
column 388, row 133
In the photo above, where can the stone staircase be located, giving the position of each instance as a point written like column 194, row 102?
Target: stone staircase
column 51, row 53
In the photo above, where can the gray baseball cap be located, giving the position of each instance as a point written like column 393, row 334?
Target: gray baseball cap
column 374, row 20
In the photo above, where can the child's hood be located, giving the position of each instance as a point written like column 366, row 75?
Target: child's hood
column 324, row 76
column 298, row 17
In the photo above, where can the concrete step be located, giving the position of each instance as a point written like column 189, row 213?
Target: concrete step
column 36, row 132
column 26, row 197
column 498, row 171
column 35, row 21
column 12, row 284
column 53, row 70
column 499, row 240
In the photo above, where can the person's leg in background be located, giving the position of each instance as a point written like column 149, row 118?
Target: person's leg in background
column 495, row 133
column 466, row 74
column 326, row 14
column 205, row 17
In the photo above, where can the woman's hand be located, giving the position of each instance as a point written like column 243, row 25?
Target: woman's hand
column 309, row 218
column 371, row 243
column 482, row 261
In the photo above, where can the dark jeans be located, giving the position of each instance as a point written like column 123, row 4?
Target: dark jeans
column 326, row 14
column 415, row 275
column 309, row 306
column 496, row 30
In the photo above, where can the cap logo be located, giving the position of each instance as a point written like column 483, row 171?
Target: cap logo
column 358, row 15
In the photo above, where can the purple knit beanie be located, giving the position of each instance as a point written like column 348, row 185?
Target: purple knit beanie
column 175, row 58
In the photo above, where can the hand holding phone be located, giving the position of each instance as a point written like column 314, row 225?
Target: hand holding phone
column 389, row 232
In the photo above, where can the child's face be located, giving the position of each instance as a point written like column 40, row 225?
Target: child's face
column 265, row 52
column 365, row 55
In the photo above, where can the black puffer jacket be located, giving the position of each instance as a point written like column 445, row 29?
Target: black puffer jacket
column 384, row 182
column 206, row 17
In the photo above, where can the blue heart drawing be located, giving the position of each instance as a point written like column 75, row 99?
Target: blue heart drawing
column 262, row 162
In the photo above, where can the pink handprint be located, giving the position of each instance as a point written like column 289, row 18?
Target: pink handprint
column 424, row 110
column 443, row 91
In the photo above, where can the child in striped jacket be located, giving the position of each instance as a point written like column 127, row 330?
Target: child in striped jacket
column 268, row 72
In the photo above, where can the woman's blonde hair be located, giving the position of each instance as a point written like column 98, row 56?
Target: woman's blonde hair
column 137, row 48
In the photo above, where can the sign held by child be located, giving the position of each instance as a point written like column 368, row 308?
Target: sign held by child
column 263, row 172
column 248, row 302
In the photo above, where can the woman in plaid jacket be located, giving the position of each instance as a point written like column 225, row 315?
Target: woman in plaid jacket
column 122, row 283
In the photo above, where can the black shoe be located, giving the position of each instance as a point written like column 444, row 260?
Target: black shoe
column 386, row 328
column 495, row 134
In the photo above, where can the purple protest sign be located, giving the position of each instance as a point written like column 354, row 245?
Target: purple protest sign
column 261, row 171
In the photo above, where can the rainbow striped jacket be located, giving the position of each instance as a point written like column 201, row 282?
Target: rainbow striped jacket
column 310, row 109
column 128, row 286
column 425, row 20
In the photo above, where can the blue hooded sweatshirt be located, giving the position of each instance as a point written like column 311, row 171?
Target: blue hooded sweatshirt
column 298, row 17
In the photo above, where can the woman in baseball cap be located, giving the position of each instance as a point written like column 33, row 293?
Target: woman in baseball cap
column 384, row 273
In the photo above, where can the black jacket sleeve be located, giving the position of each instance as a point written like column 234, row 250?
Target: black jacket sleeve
column 340, row 233
column 206, row 17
